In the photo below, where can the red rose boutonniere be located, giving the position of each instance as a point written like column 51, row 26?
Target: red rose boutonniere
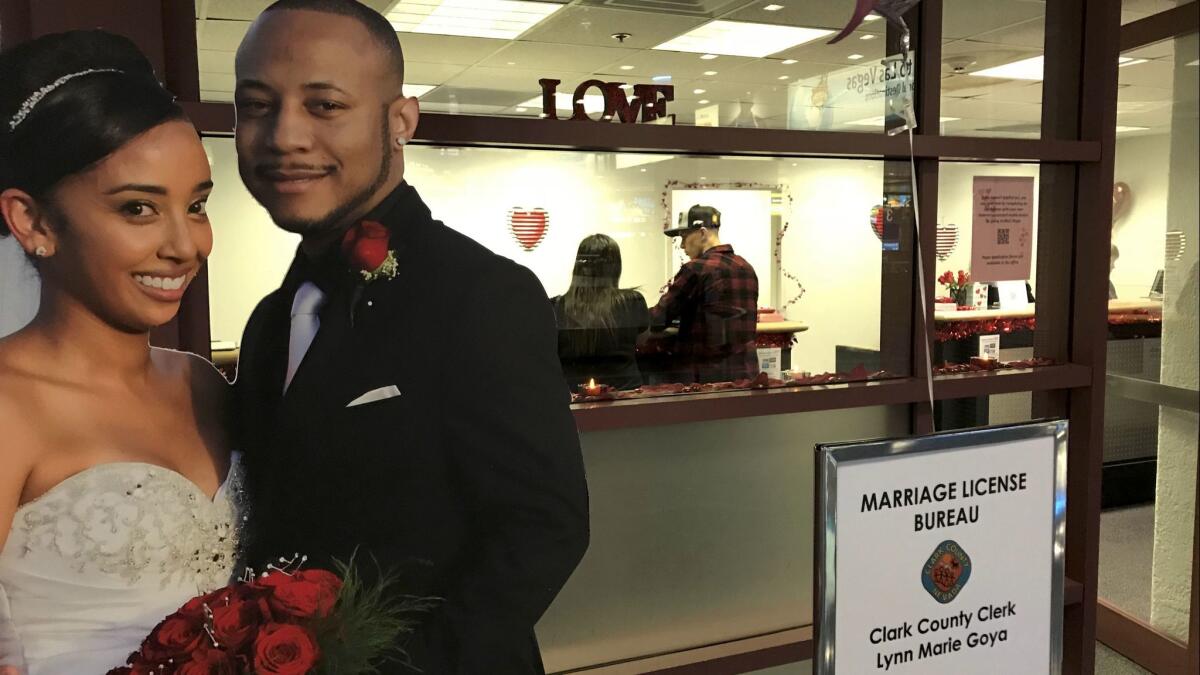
column 366, row 249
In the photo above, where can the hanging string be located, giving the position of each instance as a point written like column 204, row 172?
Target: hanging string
column 921, row 279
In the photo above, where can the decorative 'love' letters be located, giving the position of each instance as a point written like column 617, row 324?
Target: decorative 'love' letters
column 649, row 101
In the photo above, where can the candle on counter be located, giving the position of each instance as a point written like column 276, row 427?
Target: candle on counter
column 591, row 388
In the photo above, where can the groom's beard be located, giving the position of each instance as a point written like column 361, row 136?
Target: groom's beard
column 336, row 219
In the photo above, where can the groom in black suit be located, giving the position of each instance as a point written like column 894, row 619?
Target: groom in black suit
column 417, row 416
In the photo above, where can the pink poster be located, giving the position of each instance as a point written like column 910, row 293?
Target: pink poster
column 1002, row 228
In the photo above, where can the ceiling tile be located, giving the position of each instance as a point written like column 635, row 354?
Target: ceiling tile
column 247, row 10
column 992, row 110
column 1030, row 34
column 807, row 13
column 819, row 52
column 462, row 108
column 965, row 19
column 581, row 25
column 768, row 71
column 1158, row 50
column 240, row 10
column 1132, row 10
column 215, row 62
column 969, row 86
column 679, row 65
column 525, row 82
column 221, row 36
column 575, row 58
column 969, row 56
column 431, row 73
column 463, row 96
column 1135, row 93
column 450, row 49
column 217, row 81
column 216, row 96
column 1159, row 74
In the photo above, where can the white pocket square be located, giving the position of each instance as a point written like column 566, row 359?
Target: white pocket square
column 379, row 394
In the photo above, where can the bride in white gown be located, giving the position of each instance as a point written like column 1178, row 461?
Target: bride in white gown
column 119, row 497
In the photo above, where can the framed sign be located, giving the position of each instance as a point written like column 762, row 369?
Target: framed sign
column 942, row 554
column 1002, row 228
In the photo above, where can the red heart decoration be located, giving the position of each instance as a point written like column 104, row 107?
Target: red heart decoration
column 1176, row 245
column 877, row 221
column 528, row 227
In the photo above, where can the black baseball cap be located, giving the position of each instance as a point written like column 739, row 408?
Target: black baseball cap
column 696, row 217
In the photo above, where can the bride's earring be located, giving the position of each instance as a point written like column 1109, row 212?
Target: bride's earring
column 401, row 141
column 40, row 251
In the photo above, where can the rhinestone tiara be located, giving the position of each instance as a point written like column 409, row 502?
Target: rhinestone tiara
column 36, row 97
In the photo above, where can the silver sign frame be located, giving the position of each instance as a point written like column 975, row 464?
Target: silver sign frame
column 830, row 456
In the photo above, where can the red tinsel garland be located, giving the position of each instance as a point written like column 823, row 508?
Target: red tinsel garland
column 779, row 262
column 859, row 374
column 781, row 340
column 957, row 330
column 978, row 365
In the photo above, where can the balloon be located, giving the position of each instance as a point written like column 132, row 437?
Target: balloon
column 1122, row 196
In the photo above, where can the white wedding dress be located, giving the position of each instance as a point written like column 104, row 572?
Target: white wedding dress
column 93, row 565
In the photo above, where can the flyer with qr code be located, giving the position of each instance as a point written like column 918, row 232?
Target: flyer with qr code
column 1002, row 228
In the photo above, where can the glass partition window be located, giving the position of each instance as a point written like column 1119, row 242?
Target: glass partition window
column 992, row 68
column 731, row 63
column 985, row 267
column 785, row 279
column 1133, row 10
column 1150, row 425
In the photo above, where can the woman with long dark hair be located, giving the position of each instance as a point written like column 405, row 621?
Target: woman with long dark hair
column 118, row 497
column 598, row 321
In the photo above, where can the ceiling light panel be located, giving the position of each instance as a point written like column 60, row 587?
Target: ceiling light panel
column 1025, row 69
column 879, row 121
column 1034, row 67
column 499, row 19
column 736, row 38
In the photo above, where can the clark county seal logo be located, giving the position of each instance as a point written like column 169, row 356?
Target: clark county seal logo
column 946, row 572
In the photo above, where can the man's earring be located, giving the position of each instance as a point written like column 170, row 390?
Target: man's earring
column 401, row 141
column 40, row 251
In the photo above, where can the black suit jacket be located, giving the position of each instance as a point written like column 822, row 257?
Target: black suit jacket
column 470, row 482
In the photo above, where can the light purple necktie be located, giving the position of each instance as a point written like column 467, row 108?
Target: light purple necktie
column 305, row 323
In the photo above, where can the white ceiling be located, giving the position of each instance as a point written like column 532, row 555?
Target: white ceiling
column 489, row 76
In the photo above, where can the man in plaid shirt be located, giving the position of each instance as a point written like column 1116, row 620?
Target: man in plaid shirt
column 715, row 298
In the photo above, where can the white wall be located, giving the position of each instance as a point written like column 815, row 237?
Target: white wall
column 701, row 533
column 1139, row 234
column 1175, row 506
column 829, row 244
column 20, row 289
column 250, row 255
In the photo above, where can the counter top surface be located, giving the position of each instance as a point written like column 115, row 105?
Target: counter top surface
column 1114, row 307
column 782, row 327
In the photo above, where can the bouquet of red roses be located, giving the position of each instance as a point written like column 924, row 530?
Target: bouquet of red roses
column 285, row 622
column 956, row 285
